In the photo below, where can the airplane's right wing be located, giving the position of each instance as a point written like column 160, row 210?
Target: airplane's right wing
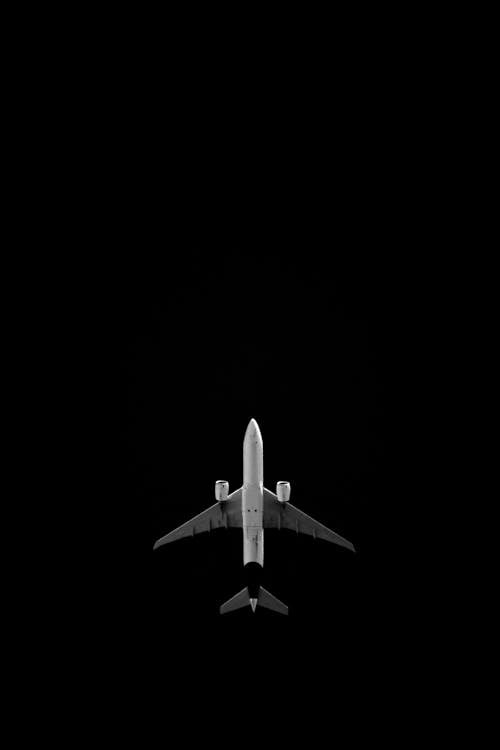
column 286, row 516
column 220, row 515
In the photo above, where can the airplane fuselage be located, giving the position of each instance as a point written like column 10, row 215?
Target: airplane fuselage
column 253, row 496
column 253, row 507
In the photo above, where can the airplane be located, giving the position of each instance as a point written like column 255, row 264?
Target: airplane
column 253, row 508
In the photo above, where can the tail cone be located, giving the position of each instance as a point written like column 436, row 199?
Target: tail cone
column 253, row 604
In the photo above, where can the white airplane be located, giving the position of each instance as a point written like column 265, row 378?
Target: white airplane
column 253, row 508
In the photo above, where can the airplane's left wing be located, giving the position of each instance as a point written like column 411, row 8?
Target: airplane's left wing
column 220, row 515
column 286, row 516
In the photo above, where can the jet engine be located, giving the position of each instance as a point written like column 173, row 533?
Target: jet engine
column 283, row 490
column 221, row 490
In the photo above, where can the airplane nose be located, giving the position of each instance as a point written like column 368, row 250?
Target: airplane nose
column 253, row 432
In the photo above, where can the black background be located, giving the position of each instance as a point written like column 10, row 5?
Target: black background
column 271, row 267
column 309, row 344
column 275, row 339
column 283, row 286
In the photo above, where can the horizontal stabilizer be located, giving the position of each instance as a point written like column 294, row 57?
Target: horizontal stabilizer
column 237, row 602
column 263, row 599
column 271, row 602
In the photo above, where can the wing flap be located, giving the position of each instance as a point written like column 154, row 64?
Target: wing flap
column 220, row 515
column 286, row 516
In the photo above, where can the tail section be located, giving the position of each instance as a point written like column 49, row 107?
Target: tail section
column 269, row 601
column 263, row 599
column 237, row 602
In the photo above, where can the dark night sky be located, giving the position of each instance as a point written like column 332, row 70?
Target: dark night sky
column 299, row 344
column 307, row 346
column 292, row 309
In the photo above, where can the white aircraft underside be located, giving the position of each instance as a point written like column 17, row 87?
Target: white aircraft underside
column 253, row 508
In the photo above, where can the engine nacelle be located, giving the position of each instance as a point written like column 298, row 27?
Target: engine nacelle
column 283, row 491
column 221, row 490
